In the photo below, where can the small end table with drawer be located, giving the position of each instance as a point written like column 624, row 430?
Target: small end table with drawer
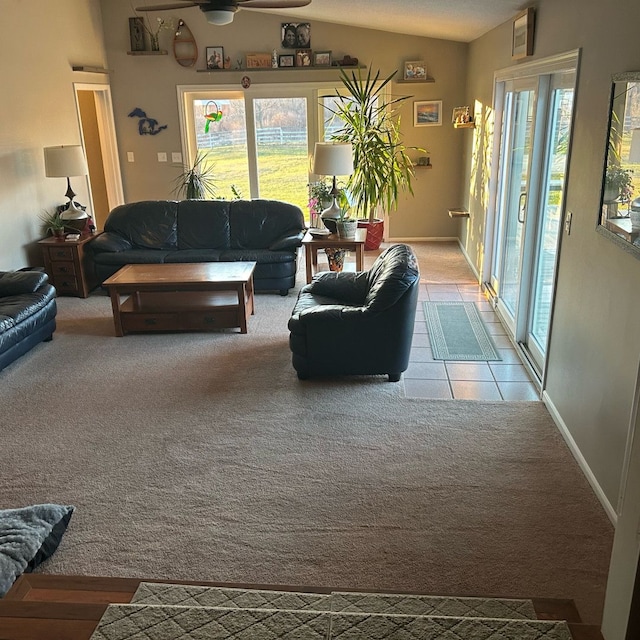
column 68, row 266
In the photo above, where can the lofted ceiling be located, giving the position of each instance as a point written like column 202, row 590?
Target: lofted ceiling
column 459, row 20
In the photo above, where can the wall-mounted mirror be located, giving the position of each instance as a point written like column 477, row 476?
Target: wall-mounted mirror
column 619, row 217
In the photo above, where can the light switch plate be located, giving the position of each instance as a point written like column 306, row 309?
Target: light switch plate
column 162, row 156
column 130, row 157
column 176, row 157
column 567, row 222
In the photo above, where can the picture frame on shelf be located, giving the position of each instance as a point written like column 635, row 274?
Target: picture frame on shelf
column 461, row 115
column 215, row 57
column 286, row 60
column 414, row 71
column 522, row 35
column 322, row 58
column 303, row 57
column 259, row 60
column 427, row 113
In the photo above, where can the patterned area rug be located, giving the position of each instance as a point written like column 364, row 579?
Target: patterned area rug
column 457, row 332
column 186, row 612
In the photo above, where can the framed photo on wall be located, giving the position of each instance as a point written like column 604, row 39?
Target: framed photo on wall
column 215, row 57
column 522, row 38
column 427, row 113
column 296, row 35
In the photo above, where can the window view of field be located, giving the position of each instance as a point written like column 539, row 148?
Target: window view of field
column 281, row 142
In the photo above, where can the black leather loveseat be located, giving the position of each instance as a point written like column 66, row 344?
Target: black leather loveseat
column 27, row 312
column 267, row 232
column 357, row 323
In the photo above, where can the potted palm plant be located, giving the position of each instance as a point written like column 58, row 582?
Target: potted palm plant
column 196, row 182
column 382, row 167
column 52, row 223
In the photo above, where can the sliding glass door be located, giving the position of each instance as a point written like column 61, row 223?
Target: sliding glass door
column 535, row 127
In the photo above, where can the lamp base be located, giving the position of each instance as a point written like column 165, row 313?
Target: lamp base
column 74, row 216
column 330, row 216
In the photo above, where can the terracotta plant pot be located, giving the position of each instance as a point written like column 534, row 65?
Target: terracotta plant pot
column 375, row 231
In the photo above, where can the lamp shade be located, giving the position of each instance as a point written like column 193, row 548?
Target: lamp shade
column 64, row 161
column 333, row 159
column 634, row 149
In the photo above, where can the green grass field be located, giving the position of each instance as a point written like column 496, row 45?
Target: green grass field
column 283, row 172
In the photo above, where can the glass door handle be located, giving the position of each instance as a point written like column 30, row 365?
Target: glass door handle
column 522, row 203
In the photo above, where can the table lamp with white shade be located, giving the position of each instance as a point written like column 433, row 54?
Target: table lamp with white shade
column 64, row 162
column 332, row 159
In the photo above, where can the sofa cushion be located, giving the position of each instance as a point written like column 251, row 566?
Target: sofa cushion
column 203, row 224
column 28, row 536
column 263, row 256
column 16, row 282
column 258, row 224
column 148, row 224
column 132, row 256
column 194, row 255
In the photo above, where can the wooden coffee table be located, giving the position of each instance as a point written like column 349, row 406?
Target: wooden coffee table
column 181, row 297
column 311, row 245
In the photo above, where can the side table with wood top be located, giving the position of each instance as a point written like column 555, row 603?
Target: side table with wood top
column 311, row 245
column 68, row 266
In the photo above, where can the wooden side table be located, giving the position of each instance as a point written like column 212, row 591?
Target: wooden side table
column 68, row 266
column 311, row 245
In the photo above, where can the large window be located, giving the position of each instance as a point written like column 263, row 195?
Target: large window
column 261, row 144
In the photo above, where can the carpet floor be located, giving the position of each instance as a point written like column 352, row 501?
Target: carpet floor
column 202, row 457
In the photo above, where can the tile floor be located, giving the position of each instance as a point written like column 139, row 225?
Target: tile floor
column 506, row 379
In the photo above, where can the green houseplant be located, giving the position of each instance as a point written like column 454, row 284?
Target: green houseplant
column 371, row 123
column 196, row 182
column 52, row 223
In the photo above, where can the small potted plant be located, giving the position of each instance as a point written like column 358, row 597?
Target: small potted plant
column 345, row 226
column 319, row 199
column 196, row 182
column 52, row 223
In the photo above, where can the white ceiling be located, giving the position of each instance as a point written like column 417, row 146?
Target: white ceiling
column 459, row 20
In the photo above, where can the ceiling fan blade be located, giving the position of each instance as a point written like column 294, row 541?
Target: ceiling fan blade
column 175, row 5
column 272, row 4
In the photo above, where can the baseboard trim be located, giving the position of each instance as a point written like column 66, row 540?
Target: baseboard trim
column 577, row 454
column 469, row 262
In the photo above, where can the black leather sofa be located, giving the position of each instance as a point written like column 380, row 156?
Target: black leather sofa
column 27, row 312
column 267, row 232
column 357, row 323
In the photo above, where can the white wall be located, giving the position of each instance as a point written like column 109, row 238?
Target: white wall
column 40, row 42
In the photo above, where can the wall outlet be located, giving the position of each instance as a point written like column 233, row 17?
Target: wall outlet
column 176, row 157
column 130, row 157
column 567, row 222
column 162, row 156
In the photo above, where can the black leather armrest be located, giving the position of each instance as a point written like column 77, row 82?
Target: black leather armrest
column 347, row 286
column 288, row 241
column 109, row 241
column 325, row 317
column 13, row 283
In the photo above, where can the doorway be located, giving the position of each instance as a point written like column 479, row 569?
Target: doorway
column 534, row 115
column 95, row 114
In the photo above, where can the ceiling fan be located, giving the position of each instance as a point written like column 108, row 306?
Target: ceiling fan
column 220, row 12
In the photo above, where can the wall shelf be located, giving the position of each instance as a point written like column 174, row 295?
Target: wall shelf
column 252, row 69
column 464, row 125
column 458, row 213
column 428, row 79
column 162, row 52
column 85, row 69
